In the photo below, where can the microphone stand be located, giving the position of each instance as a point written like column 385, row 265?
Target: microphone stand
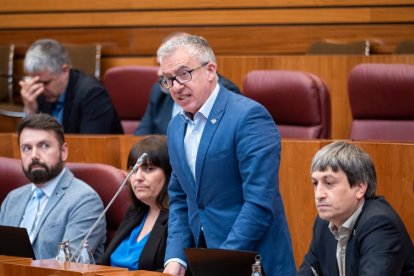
column 139, row 162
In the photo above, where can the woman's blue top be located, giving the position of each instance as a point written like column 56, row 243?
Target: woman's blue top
column 129, row 250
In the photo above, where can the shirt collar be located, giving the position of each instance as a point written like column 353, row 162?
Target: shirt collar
column 50, row 185
column 348, row 224
column 61, row 98
column 205, row 109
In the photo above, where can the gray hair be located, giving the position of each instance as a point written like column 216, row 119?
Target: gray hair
column 196, row 46
column 46, row 55
column 352, row 160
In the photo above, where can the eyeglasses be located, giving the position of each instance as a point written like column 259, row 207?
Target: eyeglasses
column 182, row 77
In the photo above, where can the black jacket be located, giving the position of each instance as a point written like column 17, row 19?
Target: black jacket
column 152, row 256
column 88, row 107
column 379, row 245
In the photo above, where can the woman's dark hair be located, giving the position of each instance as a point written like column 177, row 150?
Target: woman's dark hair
column 156, row 148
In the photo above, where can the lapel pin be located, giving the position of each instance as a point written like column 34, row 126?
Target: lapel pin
column 213, row 121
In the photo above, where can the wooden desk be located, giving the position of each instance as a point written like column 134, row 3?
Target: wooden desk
column 10, row 259
column 134, row 273
column 53, row 267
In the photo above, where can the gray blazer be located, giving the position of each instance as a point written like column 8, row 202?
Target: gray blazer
column 69, row 214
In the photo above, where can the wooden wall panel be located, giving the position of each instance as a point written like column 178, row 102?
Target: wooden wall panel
column 127, row 28
column 297, row 192
column 92, row 148
column 80, row 5
column 225, row 40
column 206, row 17
column 8, row 145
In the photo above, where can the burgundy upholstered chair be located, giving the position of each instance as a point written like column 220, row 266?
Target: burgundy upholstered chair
column 299, row 102
column 382, row 102
column 104, row 179
column 11, row 176
column 129, row 88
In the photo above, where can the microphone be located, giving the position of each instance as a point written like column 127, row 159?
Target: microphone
column 141, row 160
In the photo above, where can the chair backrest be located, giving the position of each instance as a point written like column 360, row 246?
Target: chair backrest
column 299, row 102
column 129, row 88
column 11, row 176
column 6, row 72
column 104, row 179
column 333, row 47
column 404, row 47
column 86, row 57
column 382, row 102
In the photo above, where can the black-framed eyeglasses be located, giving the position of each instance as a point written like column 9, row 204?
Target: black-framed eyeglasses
column 182, row 77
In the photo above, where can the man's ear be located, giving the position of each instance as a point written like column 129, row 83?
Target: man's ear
column 361, row 190
column 65, row 68
column 212, row 71
column 64, row 151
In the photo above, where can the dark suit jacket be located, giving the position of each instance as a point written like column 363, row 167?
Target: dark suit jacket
column 380, row 245
column 88, row 107
column 152, row 256
column 159, row 109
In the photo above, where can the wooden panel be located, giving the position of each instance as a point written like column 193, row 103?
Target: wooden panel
column 395, row 177
column 225, row 40
column 206, row 17
column 127, row 28
column 125, row 143
column 94, row 148
column 8, row 124
column 62, row 5
column 8, row 145
column 53, row 267
column 9, row 259
column 135, row 273
column 297, row 192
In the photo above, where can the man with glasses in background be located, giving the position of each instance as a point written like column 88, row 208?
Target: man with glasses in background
column 225, row 152
column 79, row 102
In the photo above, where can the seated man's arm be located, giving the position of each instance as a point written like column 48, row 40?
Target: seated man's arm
column 84, row 213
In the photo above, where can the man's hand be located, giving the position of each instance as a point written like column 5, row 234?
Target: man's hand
column 30, row 90
column 174, row 269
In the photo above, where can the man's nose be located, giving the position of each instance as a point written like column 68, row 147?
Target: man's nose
column 319, row 191
column 35, row 153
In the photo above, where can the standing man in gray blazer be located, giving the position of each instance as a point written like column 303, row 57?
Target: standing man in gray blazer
column 55, row 206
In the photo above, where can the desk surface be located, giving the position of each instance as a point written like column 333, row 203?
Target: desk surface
column 52, row 267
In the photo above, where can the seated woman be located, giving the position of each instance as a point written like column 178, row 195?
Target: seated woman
column 140, row 240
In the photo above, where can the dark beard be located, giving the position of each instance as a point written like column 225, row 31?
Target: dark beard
column 39, row 176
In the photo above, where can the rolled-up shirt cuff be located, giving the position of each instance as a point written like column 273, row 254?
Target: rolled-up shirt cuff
column 181, row 262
